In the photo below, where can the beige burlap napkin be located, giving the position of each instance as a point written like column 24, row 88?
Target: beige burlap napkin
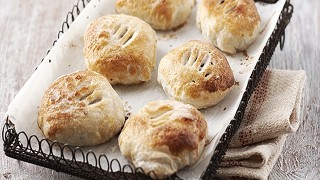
column 273, row 111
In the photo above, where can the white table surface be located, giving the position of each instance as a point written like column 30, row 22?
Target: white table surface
column 28, row 28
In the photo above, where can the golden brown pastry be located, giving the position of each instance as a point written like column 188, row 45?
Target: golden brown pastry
column 120, row 47
column 195, row 73
column 161, row 15
column 164, row 136
column 81, row 109
column 231, row 25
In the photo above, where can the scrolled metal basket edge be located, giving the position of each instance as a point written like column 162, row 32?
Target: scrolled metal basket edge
column 278, row 36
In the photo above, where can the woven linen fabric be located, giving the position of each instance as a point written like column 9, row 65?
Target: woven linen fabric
column 273, row 111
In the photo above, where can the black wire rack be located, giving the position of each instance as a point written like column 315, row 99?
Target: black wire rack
column 79, row 163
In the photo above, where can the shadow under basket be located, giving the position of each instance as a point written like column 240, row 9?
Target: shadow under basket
column 20, row 146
